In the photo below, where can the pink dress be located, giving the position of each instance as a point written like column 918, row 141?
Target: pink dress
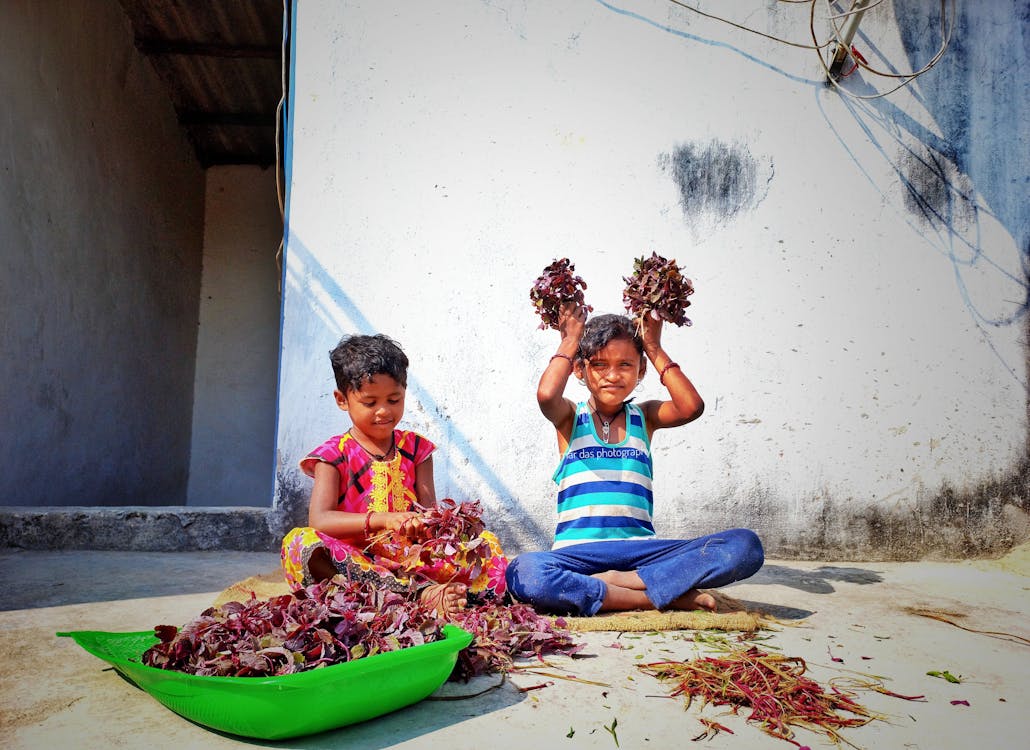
column 368, row 484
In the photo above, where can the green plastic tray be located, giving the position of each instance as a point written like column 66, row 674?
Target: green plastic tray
column 290, row 705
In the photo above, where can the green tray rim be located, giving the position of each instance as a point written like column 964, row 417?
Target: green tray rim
column 454, row 639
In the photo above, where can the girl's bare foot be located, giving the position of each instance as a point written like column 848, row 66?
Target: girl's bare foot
column 694, row 599
column 445, row 598
column 626, row 579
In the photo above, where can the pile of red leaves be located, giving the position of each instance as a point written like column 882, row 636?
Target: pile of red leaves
column 449, row 542
column 326, row 623
column 342, row 619
column 773, row 686
column 503, row 633
column 658, row 286
column 555, row 287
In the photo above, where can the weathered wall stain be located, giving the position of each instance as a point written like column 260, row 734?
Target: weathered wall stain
column 983, row 521
column 936, row 192
column 291, row 503
column 716, row 178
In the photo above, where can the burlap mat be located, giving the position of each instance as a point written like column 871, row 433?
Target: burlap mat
column 730, row 614
column 263, row 586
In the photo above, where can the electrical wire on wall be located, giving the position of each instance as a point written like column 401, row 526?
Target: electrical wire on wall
column 836, row 38
column 947, row 28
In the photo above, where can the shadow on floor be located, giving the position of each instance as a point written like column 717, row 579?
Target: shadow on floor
column 54, row 578
column 816, row 581
column 779, row 611
column 447, row 707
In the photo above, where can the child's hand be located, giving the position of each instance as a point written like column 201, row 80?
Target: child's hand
column 651, row 332
column 412, row 527
column 406, row 524
column 571, row 319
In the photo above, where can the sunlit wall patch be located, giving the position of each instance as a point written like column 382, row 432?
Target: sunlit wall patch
column 716, row 178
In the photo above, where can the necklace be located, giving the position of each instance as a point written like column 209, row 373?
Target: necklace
column 606, row 424
column 379, row 456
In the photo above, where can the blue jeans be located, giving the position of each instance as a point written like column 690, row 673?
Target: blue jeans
column 561, row 581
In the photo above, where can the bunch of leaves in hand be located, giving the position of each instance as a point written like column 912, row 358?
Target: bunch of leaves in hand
column 327, row 623
column 450, row 543
column 503, row 633
column 555, row 287
column 657, row 286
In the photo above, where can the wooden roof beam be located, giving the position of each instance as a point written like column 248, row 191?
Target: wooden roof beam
column 206, row 49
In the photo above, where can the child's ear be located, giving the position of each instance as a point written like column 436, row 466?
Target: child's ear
column 643, row 368
column 341, row 399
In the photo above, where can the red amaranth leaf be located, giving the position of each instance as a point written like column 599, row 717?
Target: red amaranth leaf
column 450, row 543
column 326, row 623
column 557, row 286
column 657, row 286
column 503, row 633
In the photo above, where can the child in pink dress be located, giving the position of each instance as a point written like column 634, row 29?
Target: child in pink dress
column 372, row 483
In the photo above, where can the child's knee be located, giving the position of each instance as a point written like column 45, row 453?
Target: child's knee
column 523, row 575
column 750, row 553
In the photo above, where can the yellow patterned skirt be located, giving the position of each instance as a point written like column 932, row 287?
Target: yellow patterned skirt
column 372, row 564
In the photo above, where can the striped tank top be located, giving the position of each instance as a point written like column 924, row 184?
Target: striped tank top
column 604, row 490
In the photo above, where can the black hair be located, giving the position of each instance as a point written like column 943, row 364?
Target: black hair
column 357, row 359
column 600, row 330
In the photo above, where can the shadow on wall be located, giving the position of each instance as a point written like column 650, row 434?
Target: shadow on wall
column 328, row 302
column 708, row 42
column 943, row 175
column 997, row 174
column 953, row 181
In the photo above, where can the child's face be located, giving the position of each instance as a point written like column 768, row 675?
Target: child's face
column 376, row 407
column 613, row 372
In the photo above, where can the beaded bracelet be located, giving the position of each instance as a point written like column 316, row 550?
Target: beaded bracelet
column 661, row 377
column 563, row 356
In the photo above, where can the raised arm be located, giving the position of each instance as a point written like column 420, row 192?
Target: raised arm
column 685, row 404
column 560, row 411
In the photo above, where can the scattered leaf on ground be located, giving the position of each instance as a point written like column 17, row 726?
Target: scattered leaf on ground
column 611, row 730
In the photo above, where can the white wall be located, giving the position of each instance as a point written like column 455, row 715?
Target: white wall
column 101, row 211
column 233, row 441
column 860, row 264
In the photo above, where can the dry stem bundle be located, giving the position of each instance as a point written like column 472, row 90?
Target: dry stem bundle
column 773, row 686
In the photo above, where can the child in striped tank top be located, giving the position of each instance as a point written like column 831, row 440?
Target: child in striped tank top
column 605, row 555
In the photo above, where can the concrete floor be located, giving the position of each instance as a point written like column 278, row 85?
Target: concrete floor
column 55, row 695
